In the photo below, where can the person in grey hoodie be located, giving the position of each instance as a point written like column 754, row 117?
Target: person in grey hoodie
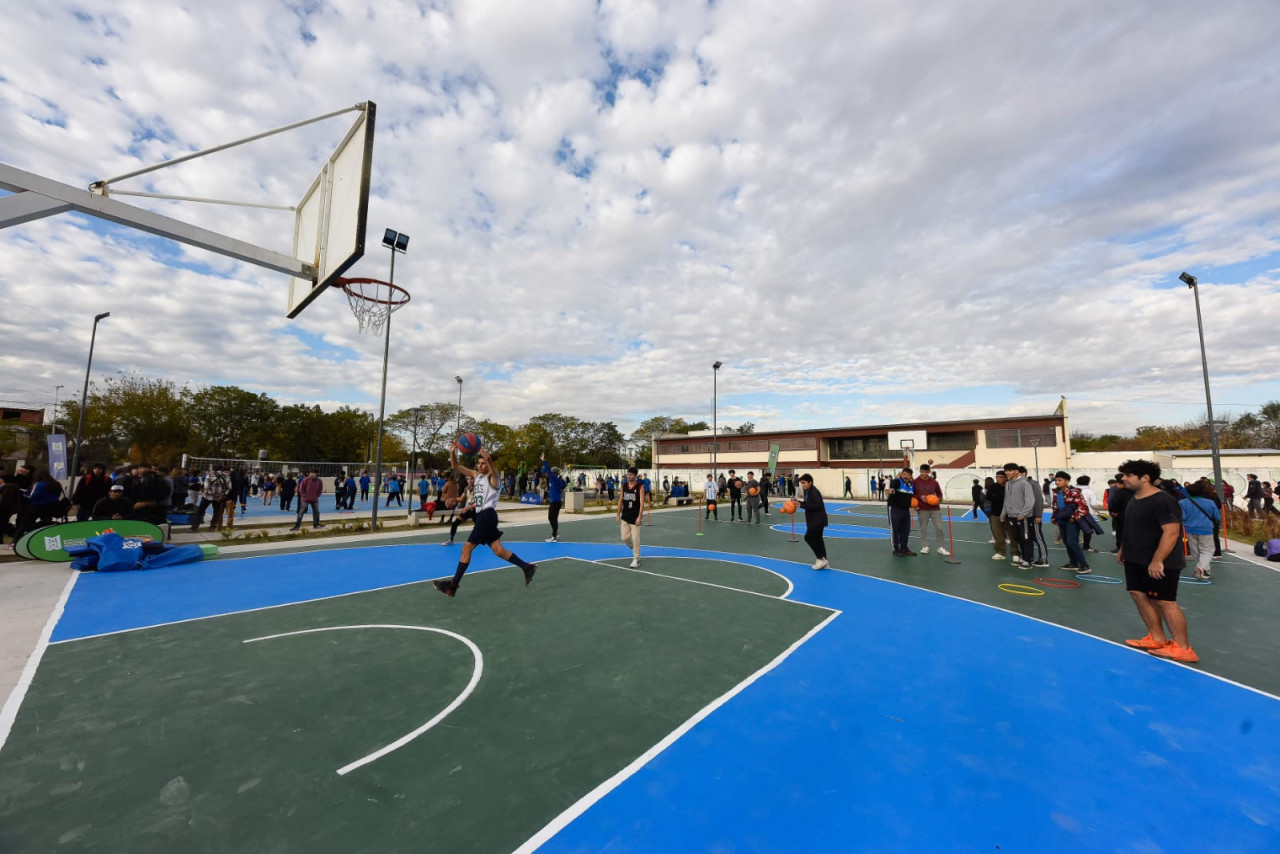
column 1019, row 505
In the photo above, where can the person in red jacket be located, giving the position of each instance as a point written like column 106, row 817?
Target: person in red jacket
column 310, row 488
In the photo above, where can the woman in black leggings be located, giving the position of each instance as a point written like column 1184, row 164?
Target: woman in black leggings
column 815, row 520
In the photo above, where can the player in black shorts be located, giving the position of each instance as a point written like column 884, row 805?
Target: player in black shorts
column 1153, row 562
column 485, row 532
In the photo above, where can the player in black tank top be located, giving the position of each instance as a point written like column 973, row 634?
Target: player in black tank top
column 630, row 505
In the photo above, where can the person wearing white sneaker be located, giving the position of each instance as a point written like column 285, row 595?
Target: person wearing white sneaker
column 815, row 520
column 631, row 500
column 943, row 552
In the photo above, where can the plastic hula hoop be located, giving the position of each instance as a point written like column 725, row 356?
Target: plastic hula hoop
column 1020, row 589
column 1195, row 580
column 1100, row 579
column 1062, row 583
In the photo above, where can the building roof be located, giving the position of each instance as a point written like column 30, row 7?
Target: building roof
column 914, row 425
column 1233, row 452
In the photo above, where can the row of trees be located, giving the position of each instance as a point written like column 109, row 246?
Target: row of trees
column 132, row 417
column 1259, row 429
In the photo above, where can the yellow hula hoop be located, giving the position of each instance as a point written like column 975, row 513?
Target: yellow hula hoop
column 1020, row 589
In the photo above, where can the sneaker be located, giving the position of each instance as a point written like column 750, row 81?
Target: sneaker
column 635, row 562
column 991, row 542
column 1084, row 570
column 445, row 586
column 1069, row 566
column 448, row 542
column 552, row 540
column 821, row 563
column 1171, row 650
column 1040, row 564
column 943, row 552
column 528, row 573
column 924, row 550
column 908, row 553
column 1058, row 541
column 320, row 525
column 998, row 557
column 897, row 553
column 1092, row 551
column 1017, row 561
column 294, row 528
column 1147, row 642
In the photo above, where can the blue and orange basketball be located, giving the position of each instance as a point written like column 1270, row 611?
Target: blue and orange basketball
column 468, row 443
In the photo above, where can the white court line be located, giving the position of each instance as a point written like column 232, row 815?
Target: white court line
column 1081, row 632
column 288, row 604
column 787, row 581
column 476, row 672
column 602, row 562
column 9, row 713
column 587, row 801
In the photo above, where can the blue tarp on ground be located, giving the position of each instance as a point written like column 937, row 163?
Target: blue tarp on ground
column 111, row 552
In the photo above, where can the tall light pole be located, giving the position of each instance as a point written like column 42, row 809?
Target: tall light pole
column 1191, row 282
column 84, row 395
column 457, row 429
column 715, row 420
column 396, row 242
column 56, row 389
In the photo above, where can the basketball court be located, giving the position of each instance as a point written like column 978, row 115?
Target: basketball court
column 722, row 697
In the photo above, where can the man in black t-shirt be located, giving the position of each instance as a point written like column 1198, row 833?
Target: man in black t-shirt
column 735, row 498
column 1153, row 561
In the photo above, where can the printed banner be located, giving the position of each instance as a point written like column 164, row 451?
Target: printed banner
column 58, row 456
column 774, row 448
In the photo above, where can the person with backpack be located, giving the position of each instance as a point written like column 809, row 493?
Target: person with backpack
column 1199, row 519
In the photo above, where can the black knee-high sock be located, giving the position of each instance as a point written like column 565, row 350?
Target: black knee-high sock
column 515, row 560
column 453, row 528
column 460, row 571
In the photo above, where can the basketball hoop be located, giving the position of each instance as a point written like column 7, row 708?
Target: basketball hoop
column 372, row 301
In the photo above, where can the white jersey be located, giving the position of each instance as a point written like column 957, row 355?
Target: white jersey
column 486, row 494
column 709, row 490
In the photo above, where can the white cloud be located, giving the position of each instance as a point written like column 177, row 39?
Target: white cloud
column 870, row 212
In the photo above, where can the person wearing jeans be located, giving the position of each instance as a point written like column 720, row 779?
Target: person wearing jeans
column 1200, row 519
column 1069, row 510
column 901, row 494
column 310, row 488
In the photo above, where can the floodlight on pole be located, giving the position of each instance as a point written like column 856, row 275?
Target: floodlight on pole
column 396, row 242
column 1192, row 282
column 84, row 395
column 715, row 427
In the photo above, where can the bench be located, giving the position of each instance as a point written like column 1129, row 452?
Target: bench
column 679, row 500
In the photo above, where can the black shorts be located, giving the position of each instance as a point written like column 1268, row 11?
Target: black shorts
column 486, row 528
column 711, row 504
column 1164, row 589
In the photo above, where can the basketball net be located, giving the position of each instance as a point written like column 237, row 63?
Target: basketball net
column 373, row 301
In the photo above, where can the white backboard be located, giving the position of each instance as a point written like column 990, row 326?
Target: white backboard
column 330, row 223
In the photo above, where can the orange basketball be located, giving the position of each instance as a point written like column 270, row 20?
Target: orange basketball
column 788, row 507
column 753, row 491
column 915, row 502
column 931, row 500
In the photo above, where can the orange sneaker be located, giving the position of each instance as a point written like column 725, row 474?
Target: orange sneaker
column 1172, row 651
column 1147, row 642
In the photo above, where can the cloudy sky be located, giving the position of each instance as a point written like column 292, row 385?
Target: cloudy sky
column 868, row 211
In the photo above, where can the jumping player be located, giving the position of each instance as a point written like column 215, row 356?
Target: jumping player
column 630, row 502
column 485, row 532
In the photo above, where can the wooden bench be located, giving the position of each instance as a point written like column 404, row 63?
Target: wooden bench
column 679, row 500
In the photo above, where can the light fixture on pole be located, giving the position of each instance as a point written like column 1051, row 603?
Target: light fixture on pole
column 715, row 427
column 56, row 389
column 396, row 242
column 457, row 430
column 1191, row 282
column 84, row 395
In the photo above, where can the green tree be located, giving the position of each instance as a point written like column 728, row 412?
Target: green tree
column 150, row 416
column 228, row 421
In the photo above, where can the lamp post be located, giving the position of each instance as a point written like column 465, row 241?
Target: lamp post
column 84, row 395
column 56, row 389
column 1191, row 282
column 457, row 428
column 715, row 426
column 396, row 242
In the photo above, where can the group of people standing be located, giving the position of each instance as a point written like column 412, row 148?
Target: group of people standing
column 755, row 492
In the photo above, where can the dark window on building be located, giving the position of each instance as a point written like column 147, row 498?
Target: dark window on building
column 966, row 441
column 859, row 448
column 12, row 415
column 1021, row 437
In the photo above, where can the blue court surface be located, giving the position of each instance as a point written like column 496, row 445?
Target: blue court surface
column 907, row 720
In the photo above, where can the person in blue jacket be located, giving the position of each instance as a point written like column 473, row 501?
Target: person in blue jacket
column 1200, row 519
column 555, row 497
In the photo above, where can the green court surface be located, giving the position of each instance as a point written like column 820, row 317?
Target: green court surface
column 185, row 737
